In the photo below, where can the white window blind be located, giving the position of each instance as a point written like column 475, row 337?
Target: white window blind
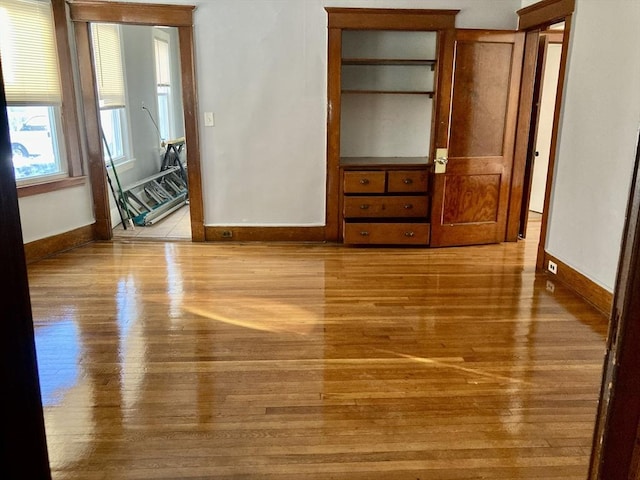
column 163, row 70
column 108, row 65
column 28, row 53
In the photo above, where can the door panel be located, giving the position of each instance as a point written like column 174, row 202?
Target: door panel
column 474, row 198
column 470, row 199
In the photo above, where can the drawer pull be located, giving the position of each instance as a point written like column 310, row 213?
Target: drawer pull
column 364, row 206
column 409, row 234
column 408, row 181
column 364, row 233
column 364, row 181
column 408, row 206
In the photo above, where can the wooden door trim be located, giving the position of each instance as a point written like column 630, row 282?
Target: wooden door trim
column 544, row 13
column 522, row 173
column 554, row 145
column 390, row 18
column 83, row 12
column 537, row 17
column 334, row 102
column 132, row 13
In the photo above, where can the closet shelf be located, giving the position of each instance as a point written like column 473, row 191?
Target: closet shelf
column 387, row 61
column 391, row 92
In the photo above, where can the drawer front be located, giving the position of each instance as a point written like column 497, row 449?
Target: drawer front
column 386, row 233
column 407, row 181
column 364, row 182
column 381, row 207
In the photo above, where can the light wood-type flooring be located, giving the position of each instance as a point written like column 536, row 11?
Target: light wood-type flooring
column 293, row 362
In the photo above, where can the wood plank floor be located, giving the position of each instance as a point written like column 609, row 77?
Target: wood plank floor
column 282, row 362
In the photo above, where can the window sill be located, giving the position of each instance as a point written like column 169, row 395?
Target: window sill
column 50, row 186
column 122, row 166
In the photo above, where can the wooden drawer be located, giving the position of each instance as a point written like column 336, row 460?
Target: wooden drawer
column 381, row 207
column 407, row 181
column 364, row 182
column 386, row 233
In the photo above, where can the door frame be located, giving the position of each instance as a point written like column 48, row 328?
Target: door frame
column 179, row 16
column 546, row 38
column 532, row 20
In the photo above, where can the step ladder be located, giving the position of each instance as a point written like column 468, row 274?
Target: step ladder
column 151, row 199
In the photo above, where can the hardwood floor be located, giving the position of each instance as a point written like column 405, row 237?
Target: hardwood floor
column 265, row 361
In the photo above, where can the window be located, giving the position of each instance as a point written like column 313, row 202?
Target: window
column 33, row 88
column 107, row 60
column 163, row 81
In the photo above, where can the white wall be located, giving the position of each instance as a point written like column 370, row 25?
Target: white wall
column 598, row 135
column 56, row 212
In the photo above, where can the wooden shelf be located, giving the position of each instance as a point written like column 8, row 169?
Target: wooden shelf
column 391, row 92
column 383, row 161
column 388, row 61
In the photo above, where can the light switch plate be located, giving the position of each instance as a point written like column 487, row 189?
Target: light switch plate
column 208, row 119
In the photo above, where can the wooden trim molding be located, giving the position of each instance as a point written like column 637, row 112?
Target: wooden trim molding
column 553, row 149
column 544, row 13
column 520, row 181
column 190, row 103
column 334, row 106
column 71, row 124
column 97, row 172
column 593, row 293
column 134, row 13
column 46, row 187
column 45, row 247
column 265, row 234
column 391, row 18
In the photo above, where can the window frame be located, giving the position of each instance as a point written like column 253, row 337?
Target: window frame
column 119, row 110
column 70, row 131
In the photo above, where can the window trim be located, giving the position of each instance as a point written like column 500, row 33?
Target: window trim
column 70, row 134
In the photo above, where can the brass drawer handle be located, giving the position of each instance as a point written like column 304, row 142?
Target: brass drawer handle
column 409, row 234
column 364, row 234
column 364, row 181
column 408, row 181
column 364, row 206
column 408, row 206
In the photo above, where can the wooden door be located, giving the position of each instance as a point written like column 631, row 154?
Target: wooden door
column 471, row 198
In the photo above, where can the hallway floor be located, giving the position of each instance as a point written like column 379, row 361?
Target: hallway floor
column 176, row 226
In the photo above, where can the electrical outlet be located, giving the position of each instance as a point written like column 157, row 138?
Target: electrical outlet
column 551, row 286
column 227, row 234
column 553, row 268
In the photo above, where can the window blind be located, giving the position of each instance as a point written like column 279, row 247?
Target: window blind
column 28, row 53
column 163, row 70
column 107, row 60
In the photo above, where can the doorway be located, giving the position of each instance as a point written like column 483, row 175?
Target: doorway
column 137, row 71
column 180, row 18
column 537, row 177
